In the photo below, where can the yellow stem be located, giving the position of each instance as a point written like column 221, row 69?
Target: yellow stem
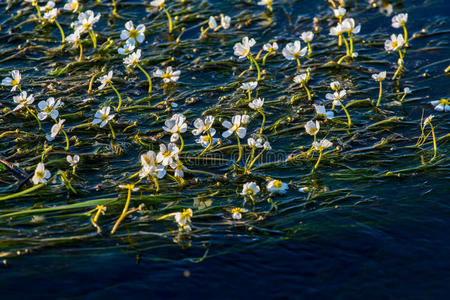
column 318, row 160
column 148, row 78
column 263, row 121
column 32, row 113
column 255, row 159
column 63, row 38
column 379, row 94
column 257, row 66
column 93, row 38
column 240, row 148
column 182, row 143
column 299, row 65
column 307, row 91
column 124, row 212
column 169, row 19
column 349, row 120
column 405, row 32
column 67, row 139
column 434, row 142
column 118, row 95
column 81, row 52
column 347, row 50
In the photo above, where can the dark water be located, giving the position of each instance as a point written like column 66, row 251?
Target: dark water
column 361, row 234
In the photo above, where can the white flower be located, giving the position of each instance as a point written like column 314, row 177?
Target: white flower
column 49, row 108
column 307, row 36
column 380, row 76
column 267, row 146
column 256, row 104
column 184, row 218
column 277, row 186
column 131, row 33
column 22, row 100
column 336, row 30
column 336, row 97
column 73, row 38
column 48, row 7
column 14, row 81
column 236, row 126
column 250, row 189
column 56, row 128
column 395, row 43
column 399, row 20
column 73, row 160
column 348, row 25
column 157, row 3
column 322, row 112
column 339, row 12
column 86, row 21
column 428, row 120
column 248, row 86
column 322, row 145
column 335, row 85
column 127, row 48
column 225, row 21
column 212, row 23
column 293, row 51
column 202, row 126
column 407, row 90
column 179, row 170
column 441, row 105
column 51, row 15
column 41, row 175
column 312, row 128
column 236, row 213
column 175, row 125
column 205, row 140
column 102, row 116
column 252, row 143
column 167, row 155
column 243, row 49
column 265, row 2
column 105, row 80
column 133, row 59
column 270, row 47
column 150, row 166
column 169, row 76
column 301, row 78
column 71, row 5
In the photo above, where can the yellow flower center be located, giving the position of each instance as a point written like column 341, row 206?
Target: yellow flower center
column 48, row 109
column 167, row 153
column 74, row 5
column 40, row 174
column 103, row 117
column 167, row 75
column 277, row 184
column 394, row 44
column 444, row 101
column 14, row 82
column 250, row 192
column 134, row 34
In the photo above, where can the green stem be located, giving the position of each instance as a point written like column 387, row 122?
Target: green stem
column 93, row 38
column 24, row 192
column 169, row 18
column 240, row 148
column 118, row 95
column 148, row 78
column 309, row 48
column 67, row 139
column 263, row 121
column 307, row 91
column 80, row 58
column 124, row 212
column 112, row 131
column 63, row 38
column 318, row 160
column 38, row 11
column 32, row 113
column 349, row 120
column 379, row 94
column 405, row 32
column 265, row 57
column 350, row 37
column 347, row 50
column 155, row 180
column 182, row 143
column 434, row 142
column 255, row 159
column 257, row 67
column 299, row 65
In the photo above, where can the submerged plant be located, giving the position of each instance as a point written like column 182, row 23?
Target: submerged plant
column 132, row 61
column 422, row 139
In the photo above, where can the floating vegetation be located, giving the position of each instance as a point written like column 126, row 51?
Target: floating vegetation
column 236, row 125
